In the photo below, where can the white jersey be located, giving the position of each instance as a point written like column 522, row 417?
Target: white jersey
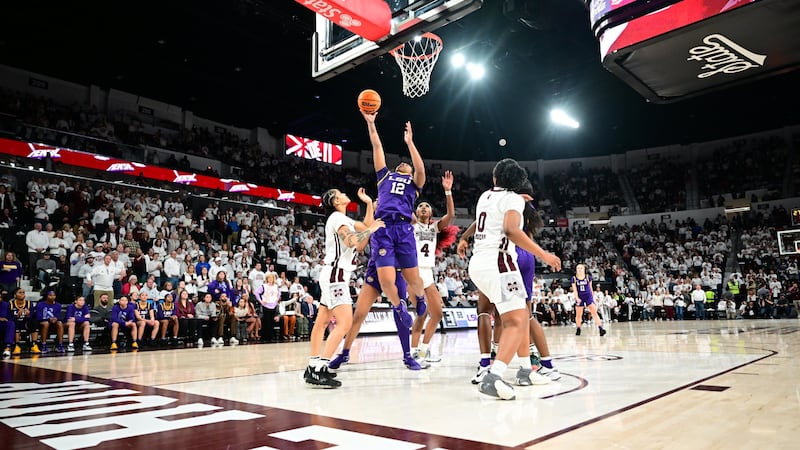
column 426, row 244
column 337, row 254
column 489, row 216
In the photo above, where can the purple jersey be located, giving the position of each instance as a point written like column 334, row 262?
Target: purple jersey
column 121, row 316
column 584, row 290
column 46, row 311
column 527, row 268
column 164, row 312
column 397, row 194
column 80, row 314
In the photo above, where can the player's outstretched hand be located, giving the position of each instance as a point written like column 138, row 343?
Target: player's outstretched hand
column 378, row 223
column 369, row 117
column 462, row 249
column 408, row 136
column 553, row 261
column 362, row 195
column 447, row 180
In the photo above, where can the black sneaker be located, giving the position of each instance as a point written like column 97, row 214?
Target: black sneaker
column 321, row 377
column 602, row 331
column 578, row 332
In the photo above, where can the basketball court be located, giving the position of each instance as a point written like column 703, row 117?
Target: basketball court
column 707, row 384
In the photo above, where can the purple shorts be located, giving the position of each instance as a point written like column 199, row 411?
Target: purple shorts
column 371, row 278
column 527, row 268
column 584, row 301
column 394, row 245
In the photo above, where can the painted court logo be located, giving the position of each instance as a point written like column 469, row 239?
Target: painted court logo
column 67, row 415
column 721, row 55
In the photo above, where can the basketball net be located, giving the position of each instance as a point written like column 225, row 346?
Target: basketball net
column 416, row 59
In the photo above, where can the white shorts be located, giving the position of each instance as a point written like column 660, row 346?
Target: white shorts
column 334, row 291
column 505, row 290
column 426, row 273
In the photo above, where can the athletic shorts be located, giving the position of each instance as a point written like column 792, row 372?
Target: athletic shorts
column 334, row 286
column 527, row 268
column 371, row 278
column 584, row 302
column 426, row 273
column 504, row 289
column 394, row 245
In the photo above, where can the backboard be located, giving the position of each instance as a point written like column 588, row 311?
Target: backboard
column 789, row 242
column 336, row 50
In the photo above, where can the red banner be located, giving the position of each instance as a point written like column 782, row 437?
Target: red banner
column 107, row 164
column 370, row 19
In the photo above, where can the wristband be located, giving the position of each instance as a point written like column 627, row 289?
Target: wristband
column 448, row 192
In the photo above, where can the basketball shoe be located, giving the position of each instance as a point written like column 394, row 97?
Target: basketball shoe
column 494, row 386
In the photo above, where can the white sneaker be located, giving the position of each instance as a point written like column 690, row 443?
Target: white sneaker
column 538, row 379
column 71, row 347
column 482, row 371
column 234, row 341
column 553, row 373
column 217, row 341
column 430, row 357
column 87, row 347
column 200, row 342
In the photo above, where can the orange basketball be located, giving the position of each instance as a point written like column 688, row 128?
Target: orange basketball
column 369, row 101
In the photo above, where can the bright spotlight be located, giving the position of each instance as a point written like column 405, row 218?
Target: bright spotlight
column 476, row 71
column 458, row 60
column 561, row 118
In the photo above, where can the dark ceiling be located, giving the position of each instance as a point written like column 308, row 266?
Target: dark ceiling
column 247, row 63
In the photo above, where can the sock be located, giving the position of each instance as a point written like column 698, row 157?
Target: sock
column 546, row 362
column 498, row 368
column 485, row 359
column 423, row 348
column 403, row 333
column 532, row 348
column 494, row 346
column 600, row 327
column 323, row 362
column 313, row 361
column 346, row 351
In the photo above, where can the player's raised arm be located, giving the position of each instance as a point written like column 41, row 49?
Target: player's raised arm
column 447, row 185
column 378, row 157
column 416, row 158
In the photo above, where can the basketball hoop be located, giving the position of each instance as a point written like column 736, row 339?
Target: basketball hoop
column 416, row 59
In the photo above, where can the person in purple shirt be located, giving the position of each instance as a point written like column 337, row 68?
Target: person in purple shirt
column 123, row 315
column 8, row 328
column 394, row 246
column 48, row 314
column 584, row 298
column 10, row 272
column 78, row 318
column 221, row 285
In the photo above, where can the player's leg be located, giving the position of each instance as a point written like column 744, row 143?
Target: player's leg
column 485, row 310
column 578, row 319
column 593, row 311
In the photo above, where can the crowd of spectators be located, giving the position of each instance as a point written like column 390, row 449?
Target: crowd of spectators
column 743, row 165
column 659, row 186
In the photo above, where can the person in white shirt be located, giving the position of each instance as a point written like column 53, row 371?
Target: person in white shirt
column 120, row 273
column 256, row 277
column 699, row 300
column 38, row 243
column 172, row 268
column 101, row 278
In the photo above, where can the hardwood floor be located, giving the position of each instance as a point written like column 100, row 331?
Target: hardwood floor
column 710, row 384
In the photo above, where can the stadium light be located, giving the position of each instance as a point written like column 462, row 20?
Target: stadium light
column 559, row 117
